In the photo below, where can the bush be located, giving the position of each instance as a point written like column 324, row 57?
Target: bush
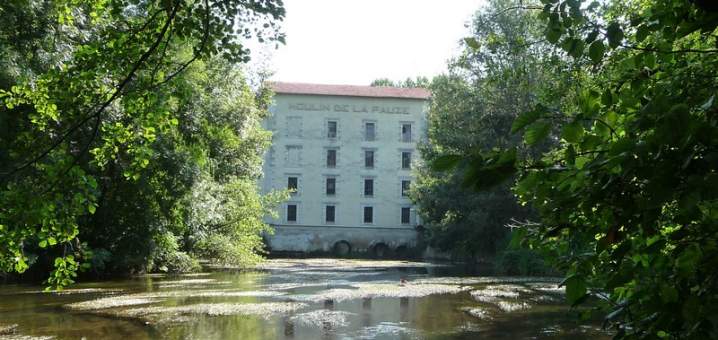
column 521, row 262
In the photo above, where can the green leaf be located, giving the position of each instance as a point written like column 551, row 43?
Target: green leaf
column 574, row 47
column 527, row 118
column 445, row 162
column 572, row 132
column 575, row 289
column 668, row 293
column 537, row 132
column 596, row 51
column 43, row 244
column 472, row 43
column 642, row 33
column 51, row 241
column 615, row 34
column 91, row 208
column 553, row 32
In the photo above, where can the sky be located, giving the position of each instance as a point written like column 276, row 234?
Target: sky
column 357, row 41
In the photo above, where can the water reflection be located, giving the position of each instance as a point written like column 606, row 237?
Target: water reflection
column 300, row 299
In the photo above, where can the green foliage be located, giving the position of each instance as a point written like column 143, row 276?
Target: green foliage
column 522, row 262
column 423, row 82
column 627, row 199
column 472, row 112
column 92, row 110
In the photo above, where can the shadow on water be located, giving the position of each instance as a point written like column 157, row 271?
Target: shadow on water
column 300, row 299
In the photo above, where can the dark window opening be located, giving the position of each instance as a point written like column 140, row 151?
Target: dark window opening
column 406, row 132
column 369, row 131
column 329, row 214
column 332, row 129
column 405, row 215
column 331, row 158
column 368, row 187
column 331, row 186
column 293, row 184
column 368, row 215
column 406, row 160
column 405, row 185
column 369, row 158
column 291, row 212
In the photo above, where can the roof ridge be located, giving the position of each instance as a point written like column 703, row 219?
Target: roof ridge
column 349, row 90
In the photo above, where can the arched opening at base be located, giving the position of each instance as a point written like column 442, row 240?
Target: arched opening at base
column 342, row 248
column 380, row 250
column 402, row 251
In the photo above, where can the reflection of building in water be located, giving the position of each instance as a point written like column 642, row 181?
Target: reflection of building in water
column 288, row 328
column 346, row 153
column 404, row 309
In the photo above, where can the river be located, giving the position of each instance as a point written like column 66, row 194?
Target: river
column 299, row 299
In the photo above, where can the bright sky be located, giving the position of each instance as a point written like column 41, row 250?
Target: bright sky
column 357, row 41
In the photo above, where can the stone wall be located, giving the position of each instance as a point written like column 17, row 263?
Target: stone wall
column 336, row 240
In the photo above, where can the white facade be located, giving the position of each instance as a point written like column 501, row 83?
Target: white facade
column 348, row 156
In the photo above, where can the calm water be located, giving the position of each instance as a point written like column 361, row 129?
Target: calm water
column 298, row 299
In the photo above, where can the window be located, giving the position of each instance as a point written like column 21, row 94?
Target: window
column 368, row 215
column 331, row 158
column 294, row 156
column 293, row 184
column 369, row 159
column 329, row 213
column 406, row 159
column 331, row 129
column 405, row 184
column 369, row 131
column 406, row 132
column 405, row 215
column 331, row 187
column 291, row 212
column 369, row 187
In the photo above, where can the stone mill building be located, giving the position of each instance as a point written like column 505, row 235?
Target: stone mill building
column 346, row 153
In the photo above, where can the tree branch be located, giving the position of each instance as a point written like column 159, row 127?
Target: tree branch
column 116, row 94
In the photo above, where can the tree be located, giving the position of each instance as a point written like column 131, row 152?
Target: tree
column 409, row 82
column 504, row 69
column 85, row 89
column 628, row 199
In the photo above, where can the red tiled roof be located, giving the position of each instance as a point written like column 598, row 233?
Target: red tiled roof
column 350, row 90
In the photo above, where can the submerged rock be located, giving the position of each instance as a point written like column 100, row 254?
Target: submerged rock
column 171, row 314
column 9, row 332
column 479, row 313
column 548, row 288
column 87, row 291
column 154, row 297
column 8, row 329
column 508, row 306
column 111, row 302
column 189, row 283
column 380, row 290
column 492, row 295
